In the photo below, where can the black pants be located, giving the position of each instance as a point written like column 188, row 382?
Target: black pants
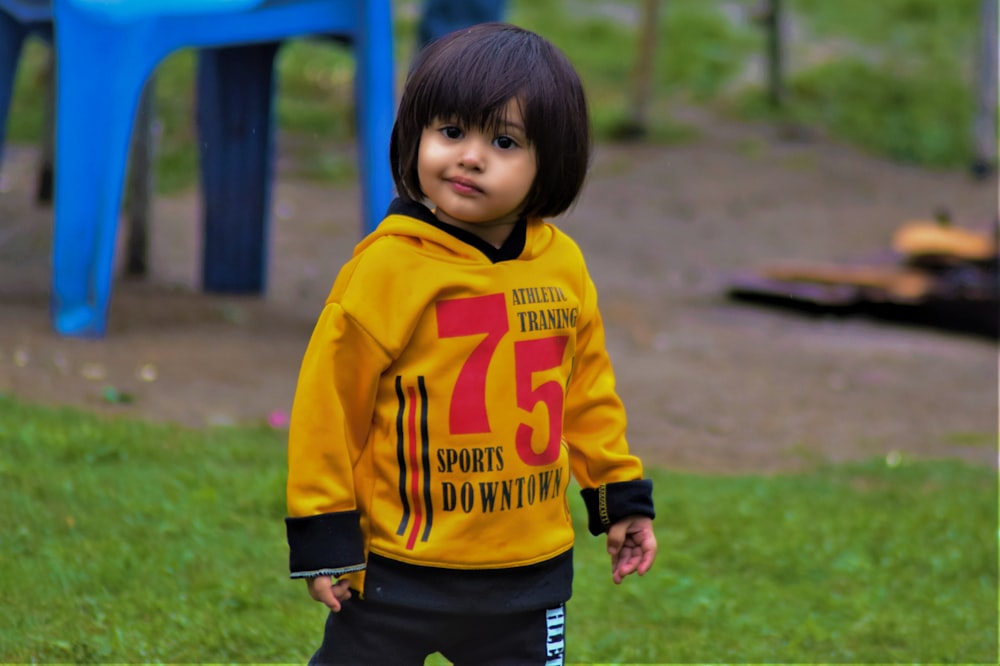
column 366, row 632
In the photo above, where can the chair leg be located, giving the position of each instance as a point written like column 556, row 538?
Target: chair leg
column 374, row 90
column 94, row 119
column 235, row 123
column 43, row 188
column 12, row 36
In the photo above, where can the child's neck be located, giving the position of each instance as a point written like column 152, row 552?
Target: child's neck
column 494, row 232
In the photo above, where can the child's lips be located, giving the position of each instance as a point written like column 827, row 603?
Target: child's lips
column 463, row 186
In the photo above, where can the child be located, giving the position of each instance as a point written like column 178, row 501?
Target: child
column 457, row 375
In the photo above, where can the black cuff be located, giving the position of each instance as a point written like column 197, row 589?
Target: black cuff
column 610, row 502
column 329, row 544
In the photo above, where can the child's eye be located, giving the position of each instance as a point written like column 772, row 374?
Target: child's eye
column 452, row 132
column 505, row 142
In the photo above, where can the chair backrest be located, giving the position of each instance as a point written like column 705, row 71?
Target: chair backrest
column 41, row 10
column 28, row 11
column 135, row 9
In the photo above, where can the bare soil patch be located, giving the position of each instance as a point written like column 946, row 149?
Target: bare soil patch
column 711, row 384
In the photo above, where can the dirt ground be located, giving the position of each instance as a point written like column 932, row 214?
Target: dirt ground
column 711, row 384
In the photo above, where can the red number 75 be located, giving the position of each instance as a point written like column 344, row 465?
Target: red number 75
column 467, row 412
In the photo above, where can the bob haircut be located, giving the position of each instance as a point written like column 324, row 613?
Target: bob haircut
column 470, row 75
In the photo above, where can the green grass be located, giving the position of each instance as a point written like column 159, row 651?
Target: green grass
column 129, row 542
column 916, row 124
column 899, row 83
column 697, row 55
column 908, row 23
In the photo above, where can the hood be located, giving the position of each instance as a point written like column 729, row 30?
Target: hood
column 415, row 224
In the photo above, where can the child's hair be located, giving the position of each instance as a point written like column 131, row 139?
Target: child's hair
column 470, row 75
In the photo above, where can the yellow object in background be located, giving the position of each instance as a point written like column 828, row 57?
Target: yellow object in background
column 929, row 238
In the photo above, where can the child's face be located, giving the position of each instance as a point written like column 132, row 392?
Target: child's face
column 477, row 181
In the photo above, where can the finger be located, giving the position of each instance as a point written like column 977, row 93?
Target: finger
column 649, row 549
column 342, row 590
column 648, row 557
column 324, row 593
column 329, row 598
column 619, row 571
column 628, row 562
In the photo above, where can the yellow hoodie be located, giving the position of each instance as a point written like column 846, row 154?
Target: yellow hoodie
column 448, row 391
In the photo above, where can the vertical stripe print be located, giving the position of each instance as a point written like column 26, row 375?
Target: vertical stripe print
column 555, row 636
column 401, row 457
column 413, row 458
column 425, row 455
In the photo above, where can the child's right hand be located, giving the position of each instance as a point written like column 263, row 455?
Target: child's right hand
column 325, row 591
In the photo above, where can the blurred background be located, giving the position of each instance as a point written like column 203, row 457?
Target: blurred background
column 898, row 78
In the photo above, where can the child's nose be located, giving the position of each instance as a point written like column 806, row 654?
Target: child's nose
column 471, row 156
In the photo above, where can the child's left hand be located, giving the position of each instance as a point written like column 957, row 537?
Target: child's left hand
column 632, row 546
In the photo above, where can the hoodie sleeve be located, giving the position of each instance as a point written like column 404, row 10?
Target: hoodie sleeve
column 334, row 400
column 594, row 428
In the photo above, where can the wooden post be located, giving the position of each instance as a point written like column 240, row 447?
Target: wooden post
column 139, row 186
column 774, row 24
column 985, row 126
column 642, row 72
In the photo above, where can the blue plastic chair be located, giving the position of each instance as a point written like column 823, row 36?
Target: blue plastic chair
column 107, row 49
